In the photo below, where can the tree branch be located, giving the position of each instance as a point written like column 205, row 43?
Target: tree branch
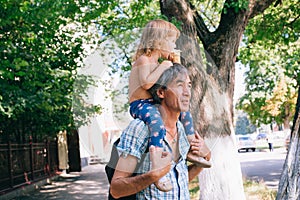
column 202, row 31
column 260, row 6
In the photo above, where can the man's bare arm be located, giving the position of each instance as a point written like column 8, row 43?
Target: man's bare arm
column 123, row 184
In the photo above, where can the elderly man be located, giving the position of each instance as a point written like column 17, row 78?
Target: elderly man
column 172, row 92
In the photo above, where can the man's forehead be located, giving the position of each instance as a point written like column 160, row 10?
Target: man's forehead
column 184, row 77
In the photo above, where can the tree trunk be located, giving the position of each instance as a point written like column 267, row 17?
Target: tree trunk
column 74, row 151
column 286, row 124
column 290, row 178
column 213, row 85
column 288, row 116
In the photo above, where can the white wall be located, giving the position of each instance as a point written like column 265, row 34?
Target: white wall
column 92, row 137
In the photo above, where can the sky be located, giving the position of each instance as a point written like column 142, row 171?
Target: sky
column 239, row 87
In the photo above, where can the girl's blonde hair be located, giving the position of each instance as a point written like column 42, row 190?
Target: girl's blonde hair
column 154, row 37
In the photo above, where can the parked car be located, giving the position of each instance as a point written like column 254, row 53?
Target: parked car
column 261, row 136
column 245, row 143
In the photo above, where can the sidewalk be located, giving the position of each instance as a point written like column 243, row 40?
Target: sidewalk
column 91, row 183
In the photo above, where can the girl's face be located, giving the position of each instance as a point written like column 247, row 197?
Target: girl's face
column 170, row 45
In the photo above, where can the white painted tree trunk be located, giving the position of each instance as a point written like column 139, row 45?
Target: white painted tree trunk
column 224, row 179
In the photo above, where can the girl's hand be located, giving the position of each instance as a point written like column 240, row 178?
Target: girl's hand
column 171, row 57
column 174, row 56
column 166, row 64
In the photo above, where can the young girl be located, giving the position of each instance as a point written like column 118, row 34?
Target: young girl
column 153, row 57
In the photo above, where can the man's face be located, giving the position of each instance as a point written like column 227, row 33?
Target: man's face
column 178, row 93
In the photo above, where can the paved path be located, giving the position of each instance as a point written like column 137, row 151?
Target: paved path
column 90, row 184
column 263, row 166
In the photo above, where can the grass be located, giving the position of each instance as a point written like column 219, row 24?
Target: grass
column 253, row 190
column 263, row 144
column 258, row 191
column 194, row 189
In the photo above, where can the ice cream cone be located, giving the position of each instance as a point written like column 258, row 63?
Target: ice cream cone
column 176, row 56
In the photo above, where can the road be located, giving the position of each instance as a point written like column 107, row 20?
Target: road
column 263, row 166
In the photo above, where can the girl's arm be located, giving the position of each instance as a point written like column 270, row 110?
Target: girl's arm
column 149, row 74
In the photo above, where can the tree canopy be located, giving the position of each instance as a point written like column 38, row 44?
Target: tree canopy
column 270, row 51
column 40, row 63
column 43, row 46
column 40, row 56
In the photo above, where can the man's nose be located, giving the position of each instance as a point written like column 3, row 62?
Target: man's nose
column 187, row 91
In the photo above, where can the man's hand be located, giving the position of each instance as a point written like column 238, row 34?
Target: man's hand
column 161, row 161
column 198, row 147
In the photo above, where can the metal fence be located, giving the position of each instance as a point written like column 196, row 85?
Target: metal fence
column 23, row 164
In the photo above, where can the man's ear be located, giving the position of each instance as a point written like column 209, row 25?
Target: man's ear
column 160, row 93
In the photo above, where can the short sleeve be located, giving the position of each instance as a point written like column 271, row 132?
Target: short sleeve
column 134, row 139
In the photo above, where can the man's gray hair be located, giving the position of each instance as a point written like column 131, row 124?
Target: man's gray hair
column 165, row 79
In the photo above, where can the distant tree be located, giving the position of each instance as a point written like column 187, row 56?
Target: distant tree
column 243, row 125
column 281, row 105
column 270, row 50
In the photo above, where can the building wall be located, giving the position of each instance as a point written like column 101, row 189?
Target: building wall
column 96, row 138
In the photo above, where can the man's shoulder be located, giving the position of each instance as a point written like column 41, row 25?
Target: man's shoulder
column 135, row 126
column 137, row 123
column 133, row 139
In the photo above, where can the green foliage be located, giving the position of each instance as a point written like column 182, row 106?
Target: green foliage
column 40, row 55
column 271, row 53
column 121, row 26
column 236, row 5
column 121, row 16
column 42, row 48
column 210, row 12
column 243, row 125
